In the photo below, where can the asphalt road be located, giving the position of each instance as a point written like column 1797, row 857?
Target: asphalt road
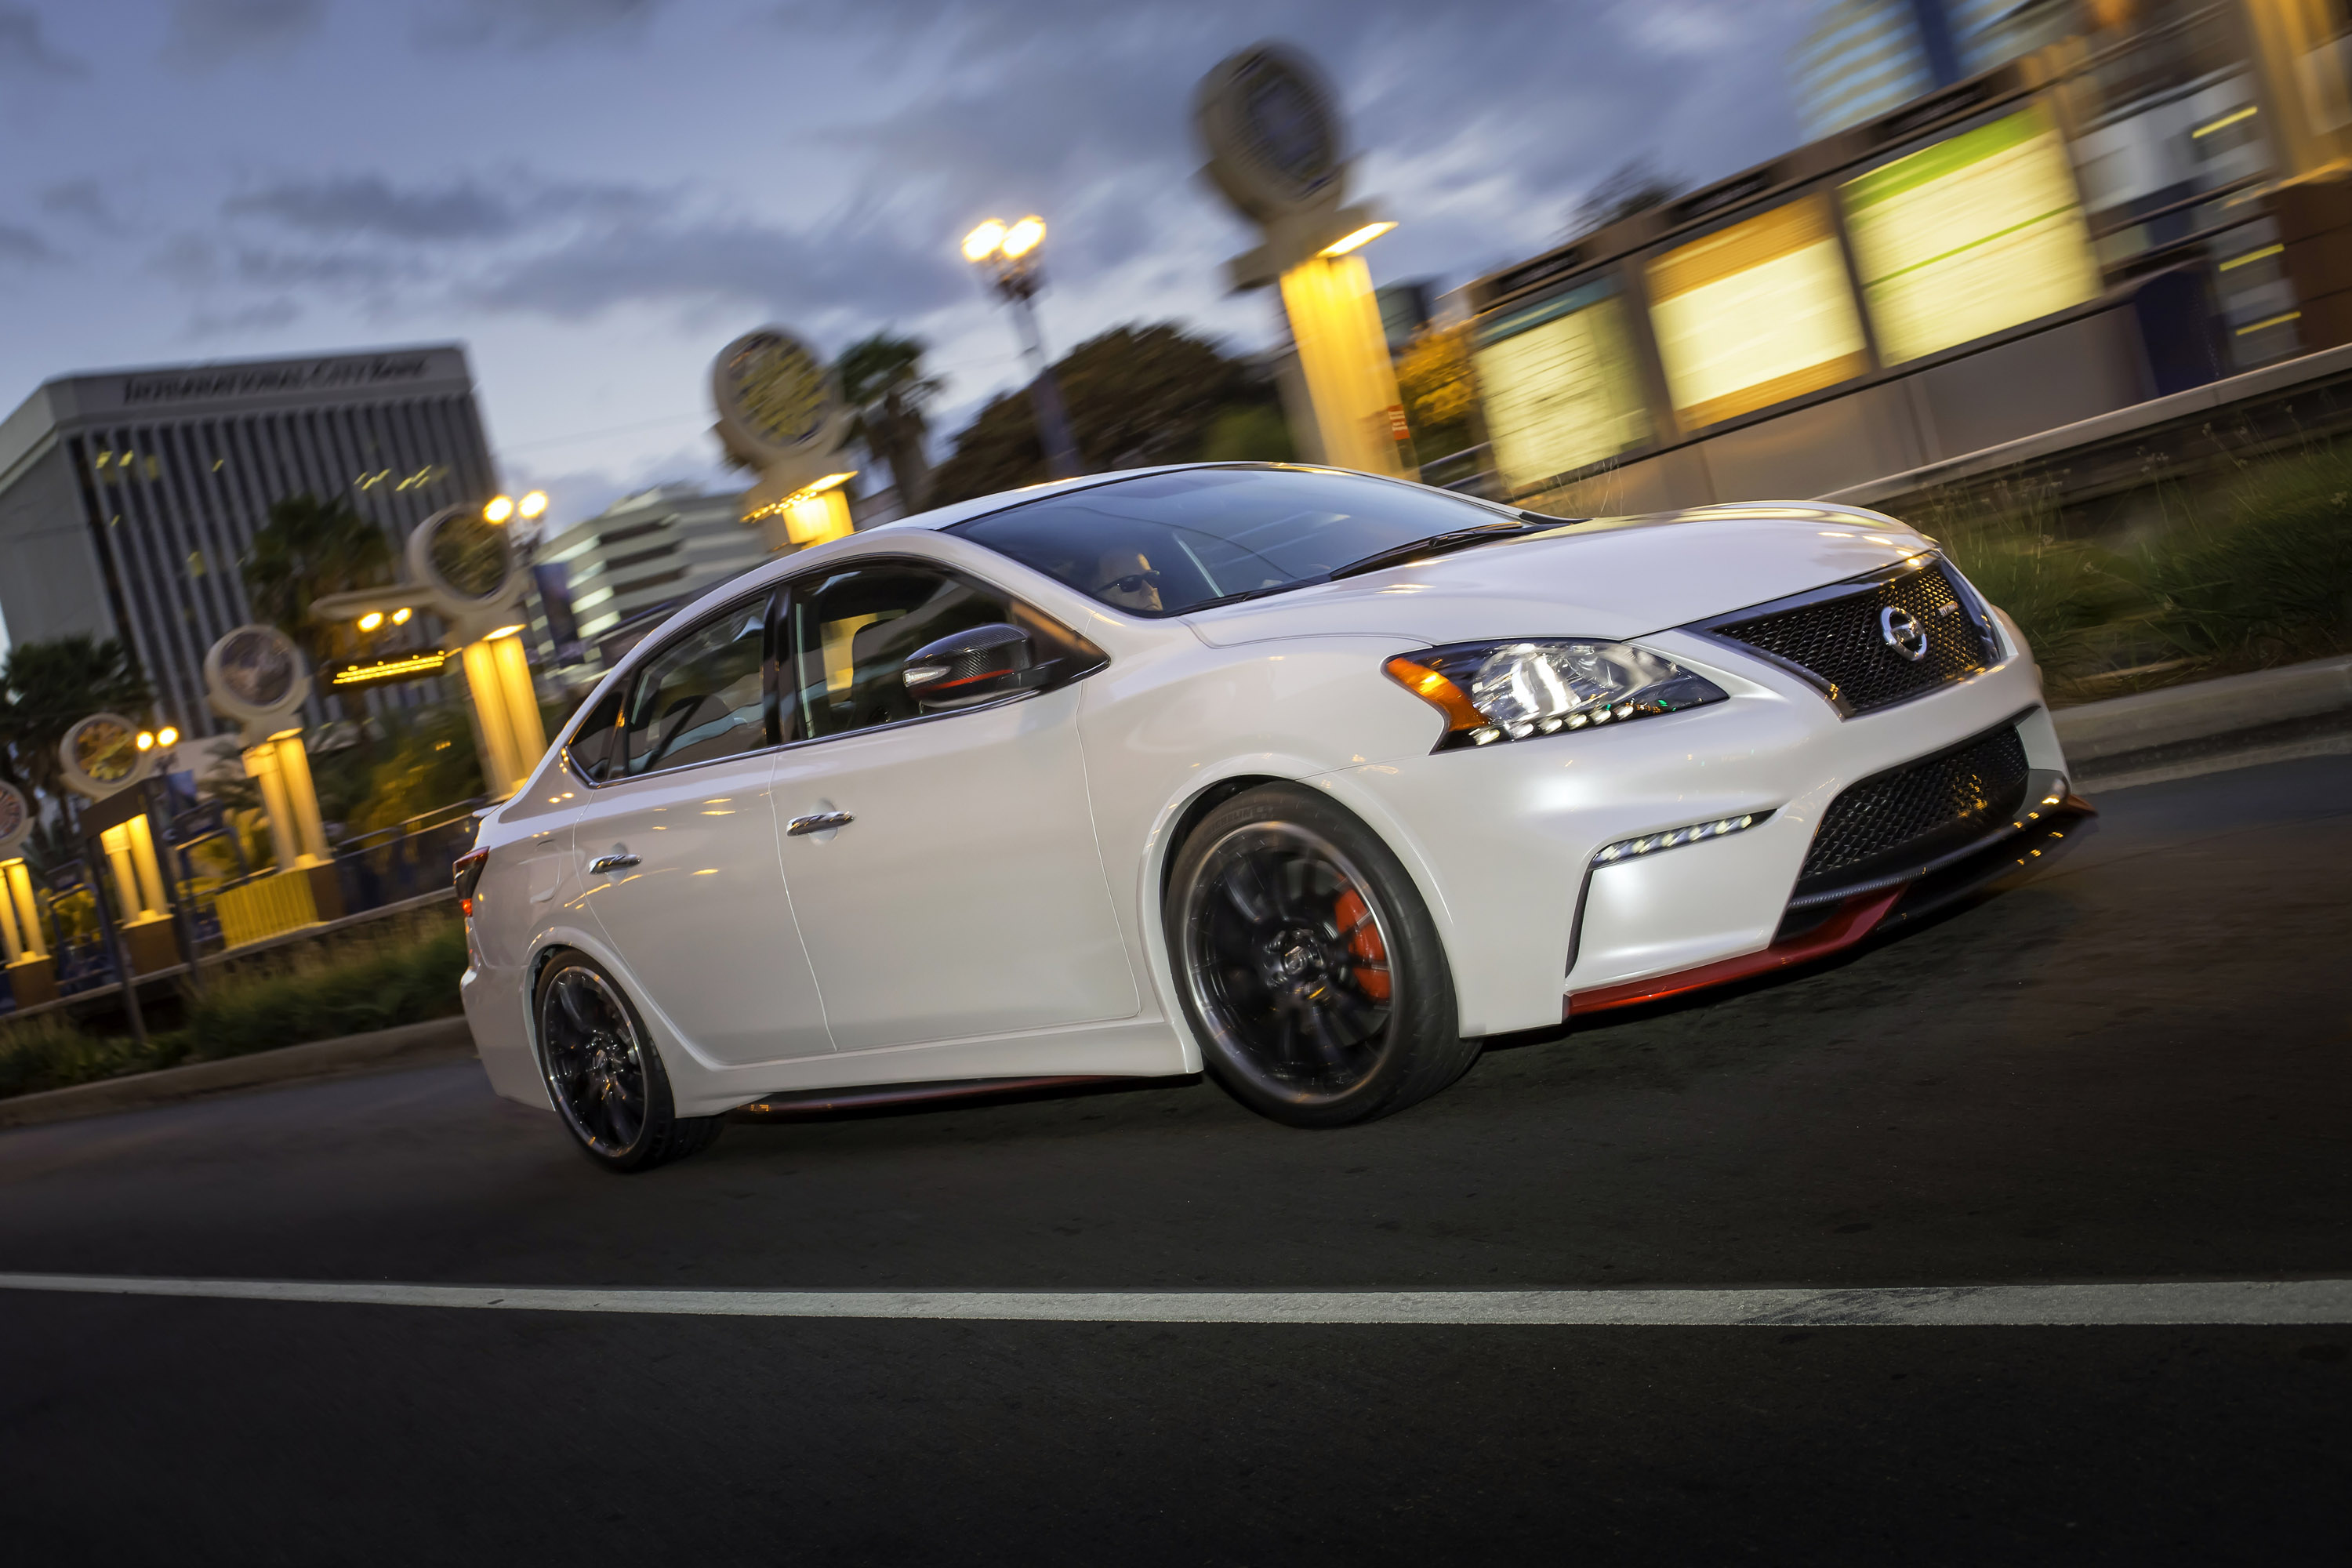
column 2138, row 1068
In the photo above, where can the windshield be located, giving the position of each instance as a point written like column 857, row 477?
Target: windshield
column 1166, row 543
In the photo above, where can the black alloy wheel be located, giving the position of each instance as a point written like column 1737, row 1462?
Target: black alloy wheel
column 1307, row 964
column 606, row 1077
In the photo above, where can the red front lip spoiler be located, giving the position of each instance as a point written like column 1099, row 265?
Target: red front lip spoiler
column 1851, row 921
column 1854, row 921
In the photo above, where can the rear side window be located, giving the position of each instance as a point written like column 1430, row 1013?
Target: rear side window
column 702, row 697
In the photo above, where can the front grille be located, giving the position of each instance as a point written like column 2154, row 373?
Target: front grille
column 1840, row 643
column 1912, row 813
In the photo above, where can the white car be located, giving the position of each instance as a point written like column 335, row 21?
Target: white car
column 1309, row 779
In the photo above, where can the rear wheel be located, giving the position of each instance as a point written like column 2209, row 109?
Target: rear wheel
column 605, row 1075
column 1307, row 963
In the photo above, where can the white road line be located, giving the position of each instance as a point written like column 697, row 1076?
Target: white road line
column 2241, row 1302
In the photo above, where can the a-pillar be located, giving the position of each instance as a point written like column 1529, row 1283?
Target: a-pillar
column 507, row 725
column 31, row 975
column 1350, row 382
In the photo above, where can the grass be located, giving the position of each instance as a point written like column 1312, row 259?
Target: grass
column 2256, row 573
column 371, row 986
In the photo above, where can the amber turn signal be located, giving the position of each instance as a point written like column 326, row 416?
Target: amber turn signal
column 1437, row 691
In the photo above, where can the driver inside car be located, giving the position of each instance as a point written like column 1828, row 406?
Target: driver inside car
column 1124, row 579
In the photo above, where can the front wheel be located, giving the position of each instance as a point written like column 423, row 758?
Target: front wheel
column 1307, row 964
column 605, row 1075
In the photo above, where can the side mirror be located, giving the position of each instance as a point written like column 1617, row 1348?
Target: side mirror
column 972, row 667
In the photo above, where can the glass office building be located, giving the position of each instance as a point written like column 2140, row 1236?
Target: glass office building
column 128, row 498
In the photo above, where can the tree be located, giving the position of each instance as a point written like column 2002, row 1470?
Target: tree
column 1633, row 186
column 1440, row 397
column 308, row 549
column 1138, row 394
column 47, row 688
column 882, row 378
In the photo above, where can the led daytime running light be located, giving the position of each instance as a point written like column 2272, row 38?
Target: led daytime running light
column 1676, row 837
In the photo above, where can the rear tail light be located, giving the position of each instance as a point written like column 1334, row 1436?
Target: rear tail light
column 467, row 873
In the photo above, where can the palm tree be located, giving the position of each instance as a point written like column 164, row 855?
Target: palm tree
column 47, row 688
column 882, row 378
column 308, row 549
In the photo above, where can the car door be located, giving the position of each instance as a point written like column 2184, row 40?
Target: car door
column 961, row 892
column 678, row 841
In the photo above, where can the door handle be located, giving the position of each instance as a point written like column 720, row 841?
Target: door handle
column 604, row 863
column 799, row 825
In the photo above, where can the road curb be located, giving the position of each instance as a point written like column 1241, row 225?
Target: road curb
column 409, row 1045
column 2095, row 732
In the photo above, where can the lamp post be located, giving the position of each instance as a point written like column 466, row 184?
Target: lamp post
column 1009, row 257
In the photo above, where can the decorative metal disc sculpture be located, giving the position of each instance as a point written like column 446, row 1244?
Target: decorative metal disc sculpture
column 780, row 414
column 102, row 756
column 255, row 677
column 1278, row 150
column 16, row 821
column 469, row 569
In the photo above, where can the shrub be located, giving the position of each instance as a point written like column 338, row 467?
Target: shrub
column 386, row 982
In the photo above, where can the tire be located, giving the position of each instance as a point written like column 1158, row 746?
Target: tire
column 1307, row 964
column 605, row 1075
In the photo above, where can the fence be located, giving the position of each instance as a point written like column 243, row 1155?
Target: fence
column 218, row 914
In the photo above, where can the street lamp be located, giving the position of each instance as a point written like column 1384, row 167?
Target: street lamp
column 1008, row 254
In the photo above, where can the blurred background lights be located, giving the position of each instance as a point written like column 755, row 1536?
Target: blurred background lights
column 982, row 242
column 1022, row 237
column 501, row 509
column 532, row 505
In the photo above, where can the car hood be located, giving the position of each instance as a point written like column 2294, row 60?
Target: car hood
column 1611, row 578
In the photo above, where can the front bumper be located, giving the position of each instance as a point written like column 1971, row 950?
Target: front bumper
column 1823, row 923
column 1502, row 841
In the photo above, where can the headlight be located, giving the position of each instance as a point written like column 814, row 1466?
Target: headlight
column 1492, row 691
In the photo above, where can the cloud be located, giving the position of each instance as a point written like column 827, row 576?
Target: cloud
column 534, row 23
column 83, row 201
column 267, row 316
column 23, row 246
column 26, row 53
column 354, row 205
column 208, row 33
column 852, row 270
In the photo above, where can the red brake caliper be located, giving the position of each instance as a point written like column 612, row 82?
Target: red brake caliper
column 1353, row 915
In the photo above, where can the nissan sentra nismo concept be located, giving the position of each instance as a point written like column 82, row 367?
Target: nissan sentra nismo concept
column 1308, row 779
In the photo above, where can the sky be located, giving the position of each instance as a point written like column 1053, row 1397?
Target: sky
column 594, row 195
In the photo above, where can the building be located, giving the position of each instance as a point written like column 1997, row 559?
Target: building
column 1863, row 57
column 661, row 546
column 128, row 498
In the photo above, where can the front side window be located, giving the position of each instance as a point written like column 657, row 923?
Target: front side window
column 1166, row 543
column 595, row 746
column 850, row 634
column 701, row 698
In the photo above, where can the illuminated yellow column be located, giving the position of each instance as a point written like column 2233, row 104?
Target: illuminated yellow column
column 522, row 703
column 116, row 842
column 1343, row 355
column 9, row 939
column 143, row 865
column 502, row 765
column 19, row 896
column 261, row 767
column 817, row 519
column 308, row 833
